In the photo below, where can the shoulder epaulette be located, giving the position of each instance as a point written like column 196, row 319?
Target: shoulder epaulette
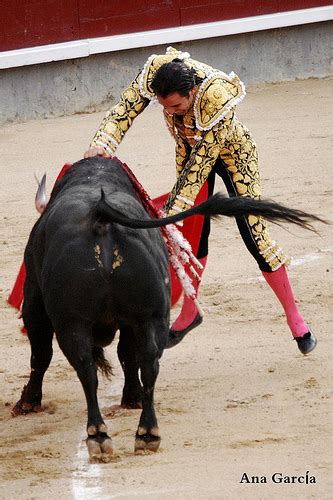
column 216, row 96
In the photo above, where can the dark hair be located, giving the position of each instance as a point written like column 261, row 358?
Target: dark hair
column 174, row 76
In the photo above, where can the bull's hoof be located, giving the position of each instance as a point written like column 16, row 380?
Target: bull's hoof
column 122, row 410
column 100, row 452
column 132, row 405
column 99, row 444
column 146, row 441
column 23, row 408
column 132, row 398
column 27, row 404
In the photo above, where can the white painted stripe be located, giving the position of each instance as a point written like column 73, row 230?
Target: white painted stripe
column 310, row 257
column 295, row 262
column 87, row 47
column 304, row 260
column 87, row 479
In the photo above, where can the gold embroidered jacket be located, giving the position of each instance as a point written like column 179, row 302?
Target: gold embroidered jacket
column 200, row 136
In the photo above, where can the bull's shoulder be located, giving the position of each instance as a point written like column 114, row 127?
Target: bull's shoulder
column 93, row 172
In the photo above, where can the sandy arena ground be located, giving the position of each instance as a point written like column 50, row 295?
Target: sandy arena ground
column 236, row 396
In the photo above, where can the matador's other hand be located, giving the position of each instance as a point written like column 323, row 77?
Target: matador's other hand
column 95, row 152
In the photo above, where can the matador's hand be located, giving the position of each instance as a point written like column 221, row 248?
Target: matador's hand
column 96, row 152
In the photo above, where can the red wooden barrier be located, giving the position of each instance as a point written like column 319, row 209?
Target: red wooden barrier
column 29, row 23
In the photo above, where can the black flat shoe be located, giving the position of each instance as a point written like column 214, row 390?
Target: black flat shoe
column 307, row 343
column 176, row 336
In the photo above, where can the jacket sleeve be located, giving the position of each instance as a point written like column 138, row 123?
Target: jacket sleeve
column 119, row 118
column 198, row 165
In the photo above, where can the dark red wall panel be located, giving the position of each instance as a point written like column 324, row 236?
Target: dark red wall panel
column 205, row 11
column 127, row 16
column 26, row 23
column 194, row 12
column 29, row 23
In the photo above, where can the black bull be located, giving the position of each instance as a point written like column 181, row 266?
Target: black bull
column 88, row 275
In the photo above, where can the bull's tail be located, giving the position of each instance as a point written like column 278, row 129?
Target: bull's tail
column 216, row 206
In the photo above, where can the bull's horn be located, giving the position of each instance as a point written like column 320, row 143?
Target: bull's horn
column 40, row 199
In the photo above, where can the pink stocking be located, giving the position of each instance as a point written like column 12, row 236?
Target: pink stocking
column 189, row 310
column 280, row 284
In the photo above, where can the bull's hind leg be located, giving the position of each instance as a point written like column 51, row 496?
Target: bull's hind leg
column 76, row 343
column 147, row 341
column 40, row 334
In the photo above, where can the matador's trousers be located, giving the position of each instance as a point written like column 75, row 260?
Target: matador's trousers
column 253, row 229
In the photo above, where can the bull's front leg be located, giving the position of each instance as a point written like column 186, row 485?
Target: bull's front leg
column 40, row 334
column 132, row 391
column 128, row 357
column 147, row 437
column 76, row 344
column 41, row 355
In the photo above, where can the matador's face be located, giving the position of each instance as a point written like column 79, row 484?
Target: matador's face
column 175, row 104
